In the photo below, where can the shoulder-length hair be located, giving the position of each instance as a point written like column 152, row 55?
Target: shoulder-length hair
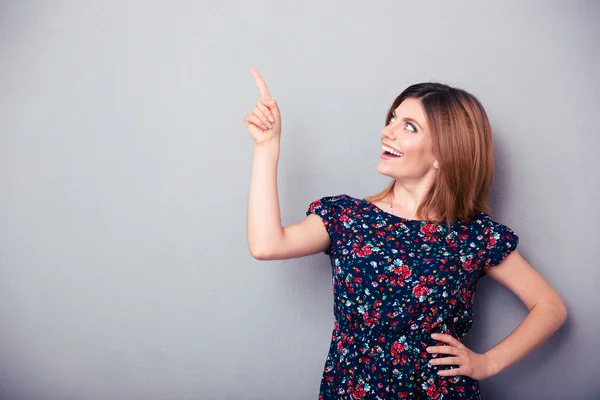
column 462, row 143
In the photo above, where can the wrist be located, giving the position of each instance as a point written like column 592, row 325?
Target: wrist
column 493, row 365
column 271, row 146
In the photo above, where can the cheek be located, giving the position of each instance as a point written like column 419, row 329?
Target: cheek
column 416, row 147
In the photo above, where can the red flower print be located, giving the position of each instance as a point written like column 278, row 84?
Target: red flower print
column 428, row 229
column 432, row 393
column 358, row 392
column 467, row 296
column 396, row 349
column 419, row 290
column 398, row 354
column 468, row 264
column 316, row 203
column 364, row 251
column 403, row 271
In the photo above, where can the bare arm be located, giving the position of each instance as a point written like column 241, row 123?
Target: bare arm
column 267, row 239
column 547, row 312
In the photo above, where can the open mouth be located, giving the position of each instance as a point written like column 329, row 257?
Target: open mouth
column 390, row 152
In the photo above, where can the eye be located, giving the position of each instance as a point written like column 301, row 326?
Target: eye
column 412, row 128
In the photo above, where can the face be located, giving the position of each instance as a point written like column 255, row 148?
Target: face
column 411, row 154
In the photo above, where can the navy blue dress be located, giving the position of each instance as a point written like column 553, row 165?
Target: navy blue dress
column 396, row 281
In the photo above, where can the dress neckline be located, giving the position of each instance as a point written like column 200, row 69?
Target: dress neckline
column 381, row 211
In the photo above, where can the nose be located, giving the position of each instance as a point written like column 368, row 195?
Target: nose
column 388, row 134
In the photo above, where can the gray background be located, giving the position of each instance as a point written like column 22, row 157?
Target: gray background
column 125, row 164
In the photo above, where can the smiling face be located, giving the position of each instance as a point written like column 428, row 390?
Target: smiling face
column 407, row 149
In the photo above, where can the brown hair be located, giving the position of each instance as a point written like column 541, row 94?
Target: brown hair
column 462, row 143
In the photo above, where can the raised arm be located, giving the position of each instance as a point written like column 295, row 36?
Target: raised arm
column 267, row 239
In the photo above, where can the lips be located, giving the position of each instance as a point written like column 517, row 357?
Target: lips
column 385, row 144
column 391, row 151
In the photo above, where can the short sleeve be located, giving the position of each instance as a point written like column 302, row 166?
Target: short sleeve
column 497, row 242
column 329, row 209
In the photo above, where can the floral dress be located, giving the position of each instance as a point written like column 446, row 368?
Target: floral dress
column 396, row 281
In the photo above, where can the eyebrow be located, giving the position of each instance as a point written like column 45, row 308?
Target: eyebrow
column 407, row 119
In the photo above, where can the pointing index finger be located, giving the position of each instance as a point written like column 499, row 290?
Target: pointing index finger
column 262, row 86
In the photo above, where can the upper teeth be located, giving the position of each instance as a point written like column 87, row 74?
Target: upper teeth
column 390, row 150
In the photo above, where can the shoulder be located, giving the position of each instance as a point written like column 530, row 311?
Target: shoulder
column 493, row 238
column 485, row 225
column 328, row 202
column 494, row 241
column 341, row 206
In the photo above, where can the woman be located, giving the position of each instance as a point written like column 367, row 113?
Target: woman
column 406, row 261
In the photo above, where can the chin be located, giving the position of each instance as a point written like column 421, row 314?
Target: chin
column 385, row 171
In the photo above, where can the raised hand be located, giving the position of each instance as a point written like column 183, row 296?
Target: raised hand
column 264, row 121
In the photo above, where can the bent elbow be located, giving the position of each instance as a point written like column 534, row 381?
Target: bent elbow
column 560, row 309
column 563, row 312
column 259, row 254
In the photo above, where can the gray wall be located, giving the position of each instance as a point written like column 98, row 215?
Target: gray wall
column 124, row 170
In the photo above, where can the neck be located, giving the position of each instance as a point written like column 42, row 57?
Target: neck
column 407, row 196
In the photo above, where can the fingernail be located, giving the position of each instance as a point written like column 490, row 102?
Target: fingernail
column 270, row 117
column 264, row 127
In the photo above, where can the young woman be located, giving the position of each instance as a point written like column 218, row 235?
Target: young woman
column 406, row 261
